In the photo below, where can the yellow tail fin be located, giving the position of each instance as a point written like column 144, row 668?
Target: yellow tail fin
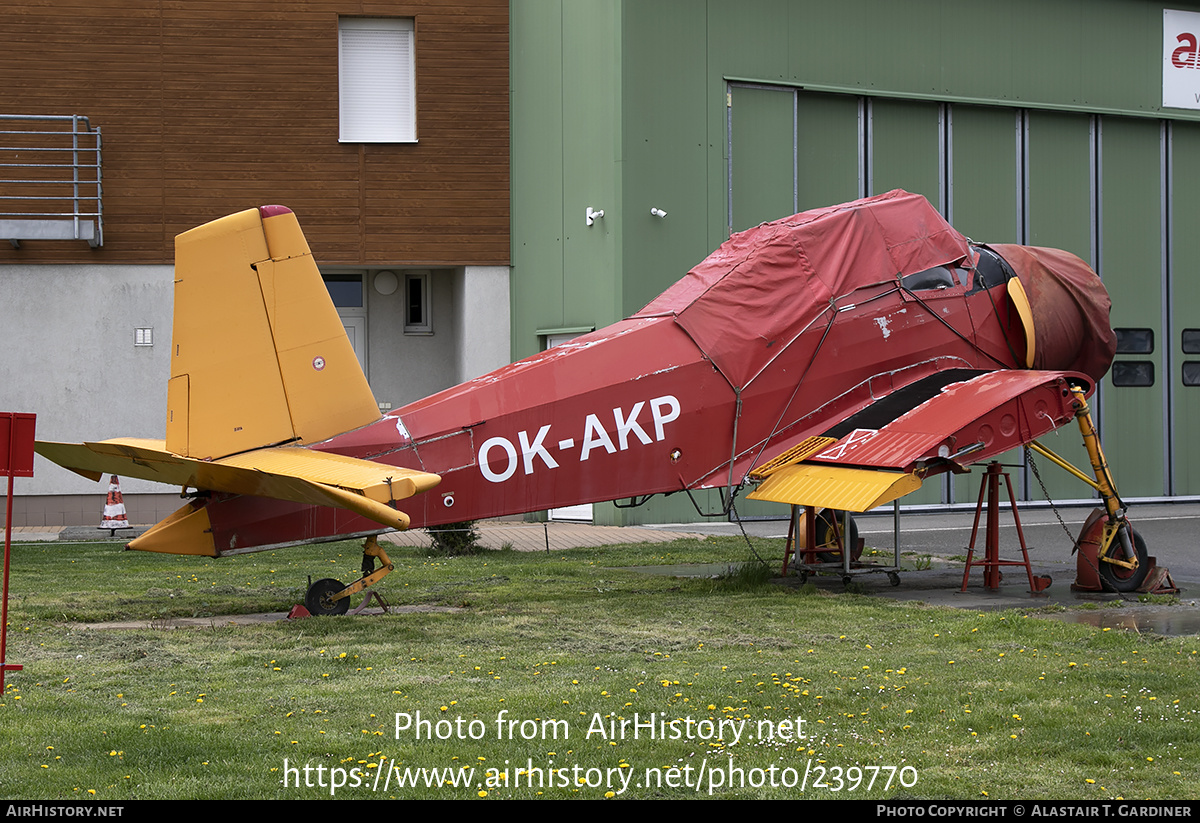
column 258, row 353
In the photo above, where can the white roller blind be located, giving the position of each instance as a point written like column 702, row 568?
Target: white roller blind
column 376, row 80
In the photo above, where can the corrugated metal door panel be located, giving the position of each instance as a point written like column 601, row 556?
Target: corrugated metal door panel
column 1130, row 263
column 1059, row 215
column 761, row 155
column 827, row 150
column 1184, row 335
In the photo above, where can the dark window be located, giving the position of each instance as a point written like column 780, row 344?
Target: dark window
column 1135, row 341
column 417, row 319
column 1133, row 373
column 345, row 289
column 1191, row 373
column 937, row 278
column 1191, row 341
column 991, row 269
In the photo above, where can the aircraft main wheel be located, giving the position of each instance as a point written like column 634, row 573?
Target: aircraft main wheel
column 827, row 535
column 318, row 601
column 1120, row 578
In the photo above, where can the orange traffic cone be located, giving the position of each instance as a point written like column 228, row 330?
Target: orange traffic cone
column 114, row 507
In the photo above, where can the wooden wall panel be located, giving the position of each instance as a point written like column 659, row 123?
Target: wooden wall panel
column 209, row 107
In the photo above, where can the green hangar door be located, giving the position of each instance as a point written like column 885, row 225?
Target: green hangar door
column 1180, row 344
column 1130, row 163
column 1057, row 185
column 903, row 147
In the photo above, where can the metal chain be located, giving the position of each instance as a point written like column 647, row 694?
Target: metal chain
column 1074, row 541
column 1046, row 494
column 738, row 519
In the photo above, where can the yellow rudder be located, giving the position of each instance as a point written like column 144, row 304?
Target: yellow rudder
column 259, row 356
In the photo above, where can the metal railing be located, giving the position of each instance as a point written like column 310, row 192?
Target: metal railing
column 50, row 180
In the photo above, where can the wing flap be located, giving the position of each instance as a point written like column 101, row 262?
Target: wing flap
column 835, row 487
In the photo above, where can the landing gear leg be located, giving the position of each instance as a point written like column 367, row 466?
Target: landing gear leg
column 1122, row 559
column 329, row 597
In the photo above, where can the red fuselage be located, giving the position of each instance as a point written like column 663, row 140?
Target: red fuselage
column 852, row 317
column 637, row 409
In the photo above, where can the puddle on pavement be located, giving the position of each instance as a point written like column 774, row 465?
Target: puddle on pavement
column 1169, row 622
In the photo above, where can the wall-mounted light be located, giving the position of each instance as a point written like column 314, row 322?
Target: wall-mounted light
column 591, row 216
column 657, row 212
column 386, row 282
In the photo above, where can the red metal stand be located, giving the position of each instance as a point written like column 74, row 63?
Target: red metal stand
column 808, row 554
column 991, row 563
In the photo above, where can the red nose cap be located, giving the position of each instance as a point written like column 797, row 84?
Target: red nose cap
column 271, row 211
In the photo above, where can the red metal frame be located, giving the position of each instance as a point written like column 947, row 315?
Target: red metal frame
column 810, row 550
column 991, row 563
column 16, row 449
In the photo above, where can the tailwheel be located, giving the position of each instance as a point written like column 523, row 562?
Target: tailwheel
column 319, row 599
column 829, row 536
column 1122, row 578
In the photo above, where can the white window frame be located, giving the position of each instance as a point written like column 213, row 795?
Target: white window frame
column 418, row 282
column 377, row 87
column 354, row 318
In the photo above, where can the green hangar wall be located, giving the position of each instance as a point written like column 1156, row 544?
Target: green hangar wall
column 1029, row 121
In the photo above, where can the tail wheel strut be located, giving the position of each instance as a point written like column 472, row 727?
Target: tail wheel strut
column 330, row 597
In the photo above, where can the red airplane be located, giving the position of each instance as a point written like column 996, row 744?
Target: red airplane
column 839, row 356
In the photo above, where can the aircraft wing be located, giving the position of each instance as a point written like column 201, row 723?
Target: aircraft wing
column 288, row 473
column 884, row 451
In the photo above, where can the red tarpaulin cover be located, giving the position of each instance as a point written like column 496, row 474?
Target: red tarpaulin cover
column 1070, row 310
column 752, row 297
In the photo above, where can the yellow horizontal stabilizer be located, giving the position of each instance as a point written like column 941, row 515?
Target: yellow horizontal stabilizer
column 283, row 473
column 835, row 487
column 377, row 481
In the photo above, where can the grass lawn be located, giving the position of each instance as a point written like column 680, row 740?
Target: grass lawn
column 568, row 674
